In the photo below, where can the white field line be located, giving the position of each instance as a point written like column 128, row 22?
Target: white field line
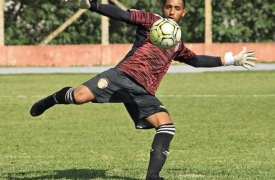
column 168, row 96
column 217, row 95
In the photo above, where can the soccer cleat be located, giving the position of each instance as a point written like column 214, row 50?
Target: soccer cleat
column 158, row 178
column 40, row 107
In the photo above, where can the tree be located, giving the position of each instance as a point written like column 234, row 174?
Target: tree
column 244, row 21
column 28, row 22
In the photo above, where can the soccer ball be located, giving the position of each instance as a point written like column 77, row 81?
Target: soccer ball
column 165, row 33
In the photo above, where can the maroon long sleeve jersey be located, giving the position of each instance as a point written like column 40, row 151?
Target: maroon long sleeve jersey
column 146, row 63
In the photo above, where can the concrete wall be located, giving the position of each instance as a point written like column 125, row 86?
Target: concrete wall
column 90, row 55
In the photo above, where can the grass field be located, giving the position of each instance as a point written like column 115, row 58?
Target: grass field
column 225, row 130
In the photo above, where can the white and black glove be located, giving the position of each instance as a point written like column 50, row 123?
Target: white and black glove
column 82, row 4
column 244, row 59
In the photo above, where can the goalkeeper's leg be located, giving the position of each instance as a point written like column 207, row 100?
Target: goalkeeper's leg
column 66, row 95
column 165, row 131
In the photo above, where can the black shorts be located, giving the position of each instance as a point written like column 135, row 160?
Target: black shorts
column 114, row 86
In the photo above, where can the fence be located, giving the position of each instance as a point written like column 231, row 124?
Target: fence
column 91, row 55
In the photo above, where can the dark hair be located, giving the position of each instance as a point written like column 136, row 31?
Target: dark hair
column 164, row 1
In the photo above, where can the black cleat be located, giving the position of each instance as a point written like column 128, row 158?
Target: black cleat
column 40, row 107
column 158, row 178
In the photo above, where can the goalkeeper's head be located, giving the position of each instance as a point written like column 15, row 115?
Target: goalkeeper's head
column 173, row 9
column 184, row 2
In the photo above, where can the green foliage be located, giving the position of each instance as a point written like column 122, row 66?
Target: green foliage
column 227, row 136
column 244, row 21
column 29, row 22
column 193, row 23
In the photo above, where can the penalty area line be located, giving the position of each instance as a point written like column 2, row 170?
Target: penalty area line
column 214, row 95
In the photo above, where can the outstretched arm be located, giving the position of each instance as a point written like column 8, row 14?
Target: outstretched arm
column 204, row 61
column 243, row 58
column 112, row 11
column 108, row 10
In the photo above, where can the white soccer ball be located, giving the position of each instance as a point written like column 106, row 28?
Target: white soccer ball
column 165, row 33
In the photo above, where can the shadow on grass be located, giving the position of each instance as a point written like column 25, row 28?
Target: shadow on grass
column 63, row 174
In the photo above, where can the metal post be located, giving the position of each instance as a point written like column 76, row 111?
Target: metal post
column 2, row 30
column 208, row 21
column 104, row 27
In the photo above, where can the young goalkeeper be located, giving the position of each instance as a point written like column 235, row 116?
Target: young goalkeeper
column 135, row 79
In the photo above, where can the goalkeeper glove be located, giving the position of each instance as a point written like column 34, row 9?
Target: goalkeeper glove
column 74, row 3
column 82, row 4
column 244, row 59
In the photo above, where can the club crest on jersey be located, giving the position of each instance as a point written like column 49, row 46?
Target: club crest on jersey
column 102, row 83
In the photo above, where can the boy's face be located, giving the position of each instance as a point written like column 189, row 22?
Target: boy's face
column 173, row 9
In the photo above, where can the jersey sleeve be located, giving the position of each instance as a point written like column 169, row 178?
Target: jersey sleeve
column 189, row 57
column 113, row 12
column 185, row 54
column 143, row 18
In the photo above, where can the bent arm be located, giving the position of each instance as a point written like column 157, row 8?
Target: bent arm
column 113, row 12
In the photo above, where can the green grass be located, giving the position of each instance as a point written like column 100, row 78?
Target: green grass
column 224, row 120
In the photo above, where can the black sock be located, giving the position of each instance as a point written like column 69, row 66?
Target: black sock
column 64, row 96
column 160, row 149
